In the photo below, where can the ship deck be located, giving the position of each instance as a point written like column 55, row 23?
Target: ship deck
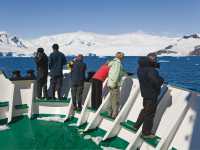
column 38, row 134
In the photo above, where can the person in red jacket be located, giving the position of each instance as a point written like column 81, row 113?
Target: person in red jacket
column 97, row 82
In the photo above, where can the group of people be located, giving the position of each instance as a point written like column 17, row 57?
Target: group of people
column 55, row 64
column 149, row 79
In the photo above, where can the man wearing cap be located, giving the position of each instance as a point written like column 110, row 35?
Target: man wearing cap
column 56, row 62
column 115, row 74
column 41, row 61
column 150, row 85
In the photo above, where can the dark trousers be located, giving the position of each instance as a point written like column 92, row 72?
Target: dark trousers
column 56, row 85
column 42, row 86
column 77, row 91
column 96, row 98
column 146, row 116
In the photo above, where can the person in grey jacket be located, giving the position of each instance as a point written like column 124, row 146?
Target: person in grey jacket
column 78, row 77
column 56, row 62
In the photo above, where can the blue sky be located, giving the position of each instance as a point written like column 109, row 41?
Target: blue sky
column 34, row 18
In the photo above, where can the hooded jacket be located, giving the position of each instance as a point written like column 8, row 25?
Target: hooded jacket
column 115, row 74
column 150, row 80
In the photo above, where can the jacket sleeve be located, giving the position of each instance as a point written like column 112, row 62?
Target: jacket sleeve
column 155, row 79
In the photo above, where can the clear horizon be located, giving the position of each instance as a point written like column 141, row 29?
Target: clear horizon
column 35, row 18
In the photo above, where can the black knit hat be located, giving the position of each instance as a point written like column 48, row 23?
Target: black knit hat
column 40, row 50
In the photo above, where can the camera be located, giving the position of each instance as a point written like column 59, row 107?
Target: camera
column 38, row 54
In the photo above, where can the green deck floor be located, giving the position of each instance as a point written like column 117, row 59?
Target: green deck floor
column 129, row 126
column 91, row 109
column 37, row 134
column 106, row 115
column 115, row 142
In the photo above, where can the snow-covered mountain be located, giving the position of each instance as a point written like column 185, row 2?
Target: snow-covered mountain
column 84, row 42
column 136, row 44
column 187, row 45
column 131, row 44
column 12, row 45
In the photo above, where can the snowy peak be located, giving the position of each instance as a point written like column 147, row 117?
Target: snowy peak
column 194, row 36
column 13, row 46
column 183, row 46
column 18, row 43
column 6, row 39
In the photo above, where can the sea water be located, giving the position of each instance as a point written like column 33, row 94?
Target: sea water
column 180, row 71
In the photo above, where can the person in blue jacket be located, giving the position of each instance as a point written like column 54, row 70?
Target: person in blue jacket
column 150, row 86
column 56, row 62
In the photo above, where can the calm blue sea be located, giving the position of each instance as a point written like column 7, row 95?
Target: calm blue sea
column 180, row 71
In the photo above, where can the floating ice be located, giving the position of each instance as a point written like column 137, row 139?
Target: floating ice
column 4, row 127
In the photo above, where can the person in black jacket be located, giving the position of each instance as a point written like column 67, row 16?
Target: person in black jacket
column 78, row 77
column 56, row 62
column 150, row 85
column 41, row 61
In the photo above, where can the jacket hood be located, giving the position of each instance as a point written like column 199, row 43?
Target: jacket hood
column 143, row 62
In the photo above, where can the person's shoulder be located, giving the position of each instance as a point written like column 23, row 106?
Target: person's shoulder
column 116, row 61
column 153, row 70
column 110, row 63
column 45, row 55
column 51, row 54
column 61, row 53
